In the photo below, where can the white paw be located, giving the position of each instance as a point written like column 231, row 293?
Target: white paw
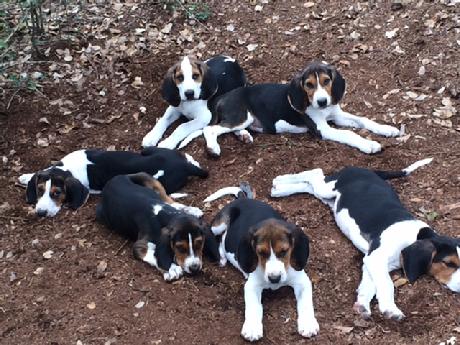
column 25, row 178
column 370, row 147
column 150, row 140
column 389, row 131
column 392, row 312
column 362, row 309
column 277, row 192
column 308, row 327
column 252, row 330
column 194, row 211
column 214, row 150
column 222, row 261
column 174, row 273
column 244, row 136
column 167, row 144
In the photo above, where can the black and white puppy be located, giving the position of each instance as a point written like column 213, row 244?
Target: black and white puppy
column 368, row 211
column 191, row 87
column 167, row 234
column 307, row 103
column 270, row 253
column 82, row 172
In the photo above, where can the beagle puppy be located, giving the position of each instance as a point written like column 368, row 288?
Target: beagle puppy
column 270, row 253
column 191, row 87
column 167, row 235
column 368, row 211
column 307, row 103
column 74, row 177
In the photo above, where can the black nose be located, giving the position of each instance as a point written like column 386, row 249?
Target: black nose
column 322, row 102
column 194, row 268
column 274, row 279
column 190, row 94
column 41, row 213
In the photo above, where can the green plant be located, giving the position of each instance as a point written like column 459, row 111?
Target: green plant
column 198, row 10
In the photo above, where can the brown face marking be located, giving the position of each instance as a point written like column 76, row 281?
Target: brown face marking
column 442, row 270
column 181, row 251
column 272, row 235
column 198, row 71
column 311, row 84
column 326, row 82
column 41, row 188
column 57, row 194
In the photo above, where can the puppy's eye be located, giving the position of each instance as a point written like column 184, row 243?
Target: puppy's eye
column 195, row 76
column 282, row 253
column 181, row 249
column 263, row 254
column 326, row 81
column 180, row 78
column 450, row 264
column 309, row 85
column 56, row 193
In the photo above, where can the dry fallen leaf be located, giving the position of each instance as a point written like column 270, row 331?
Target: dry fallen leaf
column 48, row 254
column 91, row 305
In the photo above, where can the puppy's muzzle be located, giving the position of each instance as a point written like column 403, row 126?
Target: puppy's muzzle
column 274, row 278
column 322, row 102
column 189, row 94
column 42, row 213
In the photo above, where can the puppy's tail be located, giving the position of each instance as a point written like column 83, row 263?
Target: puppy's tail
column 387, row 175
column 243, row 191
column 194, row 168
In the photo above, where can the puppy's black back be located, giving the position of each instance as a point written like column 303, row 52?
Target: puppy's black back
column 245, row 213
column 370, row 200
column 127, row 208
column 229, row 74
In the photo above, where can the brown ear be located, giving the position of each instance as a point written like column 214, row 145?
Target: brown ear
column 338, row 84
column 300, row 248
column 169, row 90
column 297, row 96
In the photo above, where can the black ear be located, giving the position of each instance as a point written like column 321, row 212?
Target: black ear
column 246, row 254
column 163, row 251
column 300, row 250
column 297, row 96
column 76, row 193
column 209, row 83
column 338, row 85
column 169, row 90
column 211, row 246
column 417, row 258
column 31, row 191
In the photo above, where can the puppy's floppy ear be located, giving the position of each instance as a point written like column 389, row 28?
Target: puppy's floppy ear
column 209, row 83
column 417, row 258
column 164, row 252
column 31, row 190
column 246, row 254
column 338, row 84
column 76, row 193
column 297, row 95
column 300, row 248
column 169, row 89
column 211, row 246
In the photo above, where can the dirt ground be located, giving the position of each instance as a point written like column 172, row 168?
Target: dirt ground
column 65, row 300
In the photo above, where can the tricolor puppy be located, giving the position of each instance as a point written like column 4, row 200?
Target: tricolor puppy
column 307, row 103
column 270, row 253
column 82, row 172
column 191, row 87
column 167, row 235
column 368, row 211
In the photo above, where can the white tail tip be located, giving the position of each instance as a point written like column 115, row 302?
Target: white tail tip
column 417, row 165
column 222, row 192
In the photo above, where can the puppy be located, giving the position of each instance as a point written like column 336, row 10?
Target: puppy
column 191, row 87
column 74, row 177
column 270, row 253
column 307, row 103
column 167, row 235
column 368, row 211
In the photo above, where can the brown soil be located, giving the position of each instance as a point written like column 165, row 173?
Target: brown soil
column 54, row 307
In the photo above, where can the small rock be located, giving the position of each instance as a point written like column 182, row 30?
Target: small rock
column 391, row 33
column 48, row 254
column 40, row 299
column 13, row 277
column 251, row 47
column 39, row 271
column 139, row 305
column 258, row 8
column 137, row 82
column 143, row 109
column 230, row 27
column 101, row 267
column 43, row 142
column 421, row 71
column 167, row 28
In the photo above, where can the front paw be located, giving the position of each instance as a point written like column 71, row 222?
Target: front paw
column 167, row 144
column 362, row 310
column 150, row 140
column 25, row 178
column 174, row 273
column 308, row 327
column 370, row 147
column 213, row 151
column 252, row 330
column 393, row 313
column 389, row 131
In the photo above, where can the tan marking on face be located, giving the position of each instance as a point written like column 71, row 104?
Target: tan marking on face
column 58, row 195
column 197, row 73
column 140, row 249
column 272, row 236
column 181, row 251
column 198, row 245
column 310, row 85
column 41, row 186
column 443, row 273
column 326, row 82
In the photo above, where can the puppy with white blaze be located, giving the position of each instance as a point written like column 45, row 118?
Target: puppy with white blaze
column 368, row 211
column 191, row 87
column 270, row 253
